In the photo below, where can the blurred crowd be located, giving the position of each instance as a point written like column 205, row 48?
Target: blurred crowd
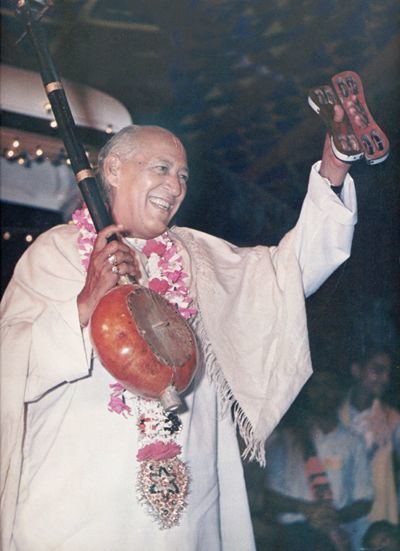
column 331, row 482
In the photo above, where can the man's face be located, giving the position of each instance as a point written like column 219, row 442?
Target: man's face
column 149, row 187
column 384, row 542
column 374, row 376
column 323, row 393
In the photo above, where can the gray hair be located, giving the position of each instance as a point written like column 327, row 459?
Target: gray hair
column 124, row 143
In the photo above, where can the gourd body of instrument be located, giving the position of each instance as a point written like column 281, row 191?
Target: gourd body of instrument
column 144, row 342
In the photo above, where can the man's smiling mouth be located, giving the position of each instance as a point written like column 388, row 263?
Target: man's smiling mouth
column 161, row 203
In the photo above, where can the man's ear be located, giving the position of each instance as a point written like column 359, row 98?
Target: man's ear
column 355, row 369
column 112, row 167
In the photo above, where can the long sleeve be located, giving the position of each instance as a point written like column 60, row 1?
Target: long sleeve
column 42, row 345
column 323, row 234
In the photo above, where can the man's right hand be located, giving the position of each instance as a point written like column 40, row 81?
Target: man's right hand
column 108, row 262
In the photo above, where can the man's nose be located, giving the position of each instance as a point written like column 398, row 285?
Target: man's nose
column 174, row 184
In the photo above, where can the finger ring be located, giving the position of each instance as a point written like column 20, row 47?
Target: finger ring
column 115, row 270
column 112, row 259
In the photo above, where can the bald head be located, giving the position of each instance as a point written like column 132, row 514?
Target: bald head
column 129, row 141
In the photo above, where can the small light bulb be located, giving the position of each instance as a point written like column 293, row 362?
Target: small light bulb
column 21, row 161
column 47, row 107
column 53, row 124
column 16, row 142
column 109, row 129
column 39, row 151
column 28, row 238
column 68, row 161
column 6, row 235
column 9, row 153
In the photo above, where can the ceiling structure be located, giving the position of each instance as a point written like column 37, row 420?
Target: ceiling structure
column 230, row 77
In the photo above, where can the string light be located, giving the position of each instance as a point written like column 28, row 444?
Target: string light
column 47, row 107
column 109, row 129
column 37, row 154
column 6, row 235
column 53, row 124
column 28, row 238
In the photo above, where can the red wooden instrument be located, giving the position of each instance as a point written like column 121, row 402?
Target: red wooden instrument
column 144, row 343
column 357, row 135
column 139, row 337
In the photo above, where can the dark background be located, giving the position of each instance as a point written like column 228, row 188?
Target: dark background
column 231, row 79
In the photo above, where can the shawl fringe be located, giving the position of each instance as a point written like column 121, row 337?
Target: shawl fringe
column 255, row 448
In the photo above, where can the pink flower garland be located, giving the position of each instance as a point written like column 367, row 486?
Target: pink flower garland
column 167, row 278
column 166, row 274
column 87, row 234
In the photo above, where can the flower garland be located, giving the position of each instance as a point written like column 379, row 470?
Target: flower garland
column 164, row 266
column 163, row 480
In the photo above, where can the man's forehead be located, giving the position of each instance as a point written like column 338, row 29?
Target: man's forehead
column 159, row 135
column 159, row 143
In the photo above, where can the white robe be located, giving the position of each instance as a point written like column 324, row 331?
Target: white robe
column 255, row 344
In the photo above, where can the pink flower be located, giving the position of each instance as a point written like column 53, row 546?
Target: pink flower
column 188, row 312
column 173, row 276
column 160, row 286
column 82, row 218
column 170, row 253
column 153, row 246
column 117, row 405
column 117, row 402
column 159, row 450
column 117, row 388
column 87, row 240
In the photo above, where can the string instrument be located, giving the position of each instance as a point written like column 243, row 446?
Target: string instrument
column 139, row 337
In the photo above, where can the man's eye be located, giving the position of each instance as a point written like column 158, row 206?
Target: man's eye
column 162, row 168
column 184, row 178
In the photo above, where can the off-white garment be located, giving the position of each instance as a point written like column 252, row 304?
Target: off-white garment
column 89, row 455
column 252, row 305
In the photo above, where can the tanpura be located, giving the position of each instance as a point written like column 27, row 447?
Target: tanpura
column 139, row 337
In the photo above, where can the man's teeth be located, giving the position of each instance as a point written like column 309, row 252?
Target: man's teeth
column 160, row 203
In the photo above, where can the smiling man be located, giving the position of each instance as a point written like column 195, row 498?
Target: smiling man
column 87, row 464
column 149, row 181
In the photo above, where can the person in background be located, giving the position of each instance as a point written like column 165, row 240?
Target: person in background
column 317, row 476
column 381, row 536
column 365, row 412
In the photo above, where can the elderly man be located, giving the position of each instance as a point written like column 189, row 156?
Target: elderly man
column 87, row 465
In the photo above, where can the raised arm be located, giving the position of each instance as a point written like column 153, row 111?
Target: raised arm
column 331, row 167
